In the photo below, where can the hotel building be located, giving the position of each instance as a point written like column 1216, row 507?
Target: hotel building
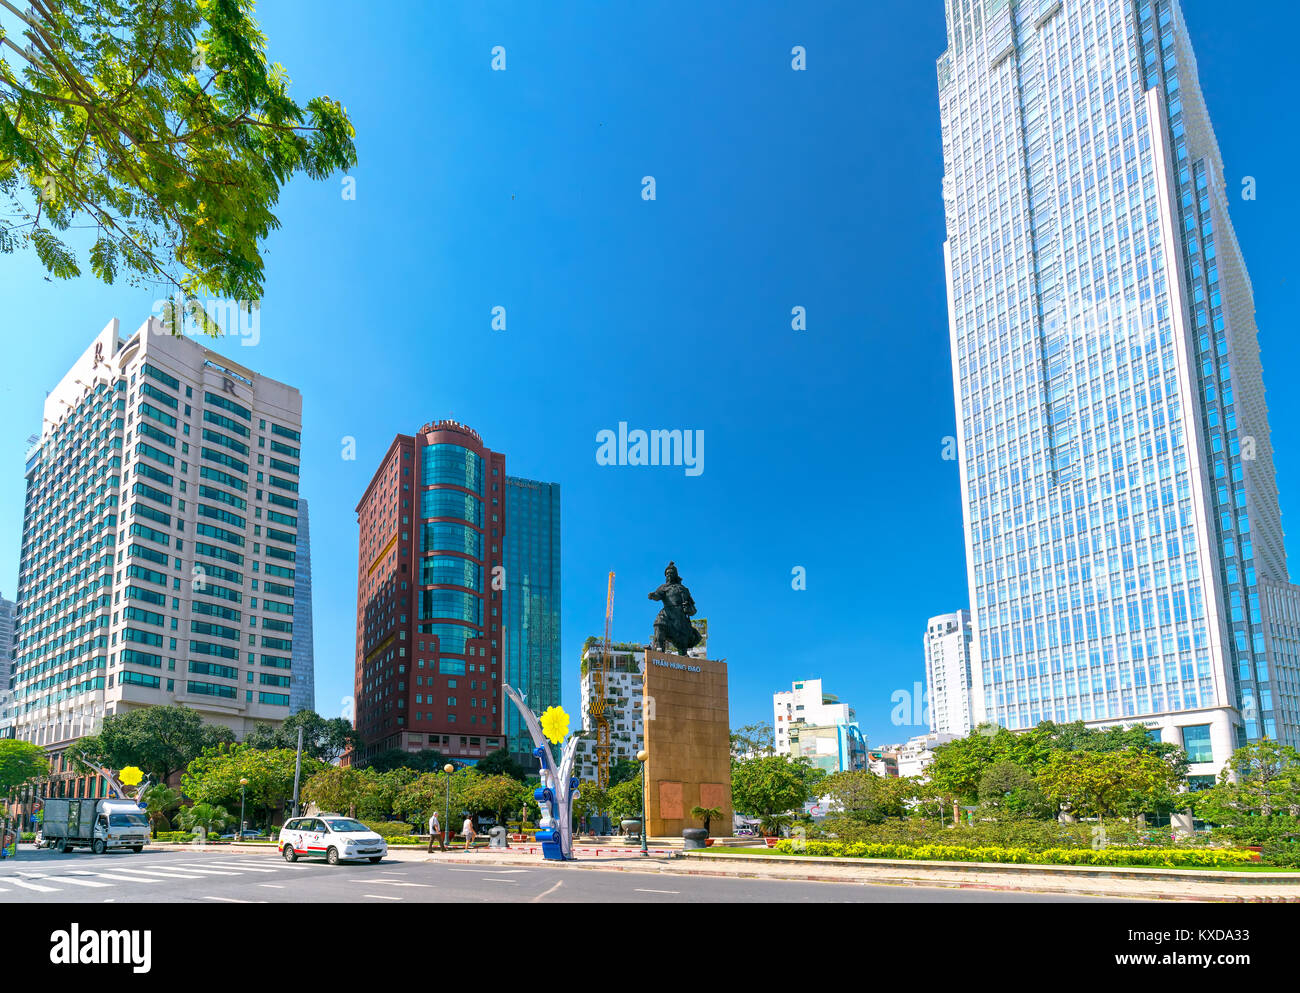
column 1124, row 544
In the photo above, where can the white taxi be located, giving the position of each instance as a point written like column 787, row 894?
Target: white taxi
column 337, row 838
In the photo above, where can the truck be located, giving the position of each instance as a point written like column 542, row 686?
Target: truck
column 95, row 824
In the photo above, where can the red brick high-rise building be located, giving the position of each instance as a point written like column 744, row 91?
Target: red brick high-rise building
column 430, row 587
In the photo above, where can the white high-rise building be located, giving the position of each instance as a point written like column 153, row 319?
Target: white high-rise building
column 159, row 536
column 947, row 645
column 805, row 702
column 7, row 608
column 1123, row 536
column 624, row 691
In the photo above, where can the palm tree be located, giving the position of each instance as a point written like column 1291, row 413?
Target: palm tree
column 160, row 800
column 706, row 814
column 772, row 824
column 204, row 817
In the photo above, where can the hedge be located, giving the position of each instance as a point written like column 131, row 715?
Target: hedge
column 389, row 829
column 1170, row 857
column 179, row 837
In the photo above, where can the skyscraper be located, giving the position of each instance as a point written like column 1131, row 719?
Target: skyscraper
column 947, row 645
column 159, row 534
column 1123, row 535
column 532, row 604
column 430, row 588
column 302, row 695
column 6, row 665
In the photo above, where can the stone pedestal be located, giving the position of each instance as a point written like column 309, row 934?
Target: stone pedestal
column 687, row 725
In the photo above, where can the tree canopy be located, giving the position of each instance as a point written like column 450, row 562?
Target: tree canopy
column 324, row 738
column 160, row 127
column 20, row 762
column 160, row 740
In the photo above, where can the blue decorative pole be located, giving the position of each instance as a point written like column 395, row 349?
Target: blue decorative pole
column 559, row 787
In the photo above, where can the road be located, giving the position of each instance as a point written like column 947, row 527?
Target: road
column 194, row 877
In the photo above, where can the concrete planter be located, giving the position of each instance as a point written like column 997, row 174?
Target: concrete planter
column 631, row 826
column 693, row 838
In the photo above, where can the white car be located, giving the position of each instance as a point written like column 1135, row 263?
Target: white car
column 337, row 838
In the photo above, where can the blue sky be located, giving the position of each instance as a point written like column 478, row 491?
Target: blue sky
column 775, row 189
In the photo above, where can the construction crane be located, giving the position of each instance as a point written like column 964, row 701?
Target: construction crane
column 598, row 694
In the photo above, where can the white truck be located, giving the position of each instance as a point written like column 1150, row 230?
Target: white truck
column 95, row 824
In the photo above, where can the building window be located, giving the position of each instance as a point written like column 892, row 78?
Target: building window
column 1196, row 742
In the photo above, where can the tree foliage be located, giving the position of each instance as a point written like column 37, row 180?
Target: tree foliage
column 161, row 128
column 324, row 738
column 1113, row 783
column 499, row 763
column 770, row 785
column 864, row 796
column 160, row 740
column 214, row 777
column 428, row 760
column 20, row 762
column 1261, row 780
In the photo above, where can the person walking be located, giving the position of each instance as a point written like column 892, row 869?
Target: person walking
column 468, row 830
column 435, row 832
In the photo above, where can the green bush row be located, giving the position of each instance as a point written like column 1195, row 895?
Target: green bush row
column 179, row 837
column 1170, row 857
column 1283, row 854
column 389, row 829
column 1032, row 835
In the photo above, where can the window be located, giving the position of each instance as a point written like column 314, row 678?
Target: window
column 1196, row 742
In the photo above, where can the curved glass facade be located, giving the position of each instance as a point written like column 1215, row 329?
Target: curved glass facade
column 448, row 570
column 451, row 538
column 451, row 465
column 451, row 503
column 453, row 605
column 451, row 637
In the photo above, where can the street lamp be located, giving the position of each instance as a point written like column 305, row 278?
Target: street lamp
column 641, row 756
column 243, row 783
column 446, row 810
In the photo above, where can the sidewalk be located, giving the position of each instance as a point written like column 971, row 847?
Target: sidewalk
column 1137, row 884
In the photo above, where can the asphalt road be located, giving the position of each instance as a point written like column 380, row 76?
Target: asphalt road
column 192, row 877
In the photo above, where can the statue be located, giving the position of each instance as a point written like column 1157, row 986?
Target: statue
column 673, row 625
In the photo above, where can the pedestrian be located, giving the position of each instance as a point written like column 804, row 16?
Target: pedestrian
column 468, row 830
column 435, row 831
column 583, row 828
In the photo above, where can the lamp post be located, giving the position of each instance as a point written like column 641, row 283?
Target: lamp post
column 446, row 809
column 641, row 756
column 243, row 784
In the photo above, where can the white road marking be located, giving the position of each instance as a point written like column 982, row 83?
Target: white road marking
column 673, row 892
column 391, row 882
column 204, row 872
column 195, row 866
column 74, row 881
column 160, row 874
column 272, row 886
column 376, row 896
column 120, row 879
column 226, row 899
column 495, row 872
column 34, row 886
column 538, row 898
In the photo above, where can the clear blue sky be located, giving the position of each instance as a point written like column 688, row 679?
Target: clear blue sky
column 775, row 188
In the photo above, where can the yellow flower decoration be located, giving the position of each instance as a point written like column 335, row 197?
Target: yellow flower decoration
column 555, row 724
column 130, row 776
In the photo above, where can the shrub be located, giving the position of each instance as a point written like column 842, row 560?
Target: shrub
column 389, row 829
column 179, row 837
column 1032, row 835
column 1170, row 857
column 1283, row 854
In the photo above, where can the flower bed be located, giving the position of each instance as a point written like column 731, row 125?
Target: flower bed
column 1168, row 857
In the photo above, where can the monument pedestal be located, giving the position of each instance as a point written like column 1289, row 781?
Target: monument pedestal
column 687, row 724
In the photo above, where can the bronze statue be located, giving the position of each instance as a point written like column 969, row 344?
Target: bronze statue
column 673, row 625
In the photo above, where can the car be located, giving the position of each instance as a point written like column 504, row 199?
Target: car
column 337, row 838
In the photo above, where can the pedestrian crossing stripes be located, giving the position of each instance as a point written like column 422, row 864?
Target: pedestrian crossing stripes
column 16, row 881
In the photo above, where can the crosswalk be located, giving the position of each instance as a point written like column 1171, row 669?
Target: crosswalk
column 19, row 879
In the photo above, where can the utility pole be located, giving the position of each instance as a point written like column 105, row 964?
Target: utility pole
column 297, row 772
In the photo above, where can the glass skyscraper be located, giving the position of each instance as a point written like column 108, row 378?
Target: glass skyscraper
column 302, row 693
column 1123, row 535
column 532, row 605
